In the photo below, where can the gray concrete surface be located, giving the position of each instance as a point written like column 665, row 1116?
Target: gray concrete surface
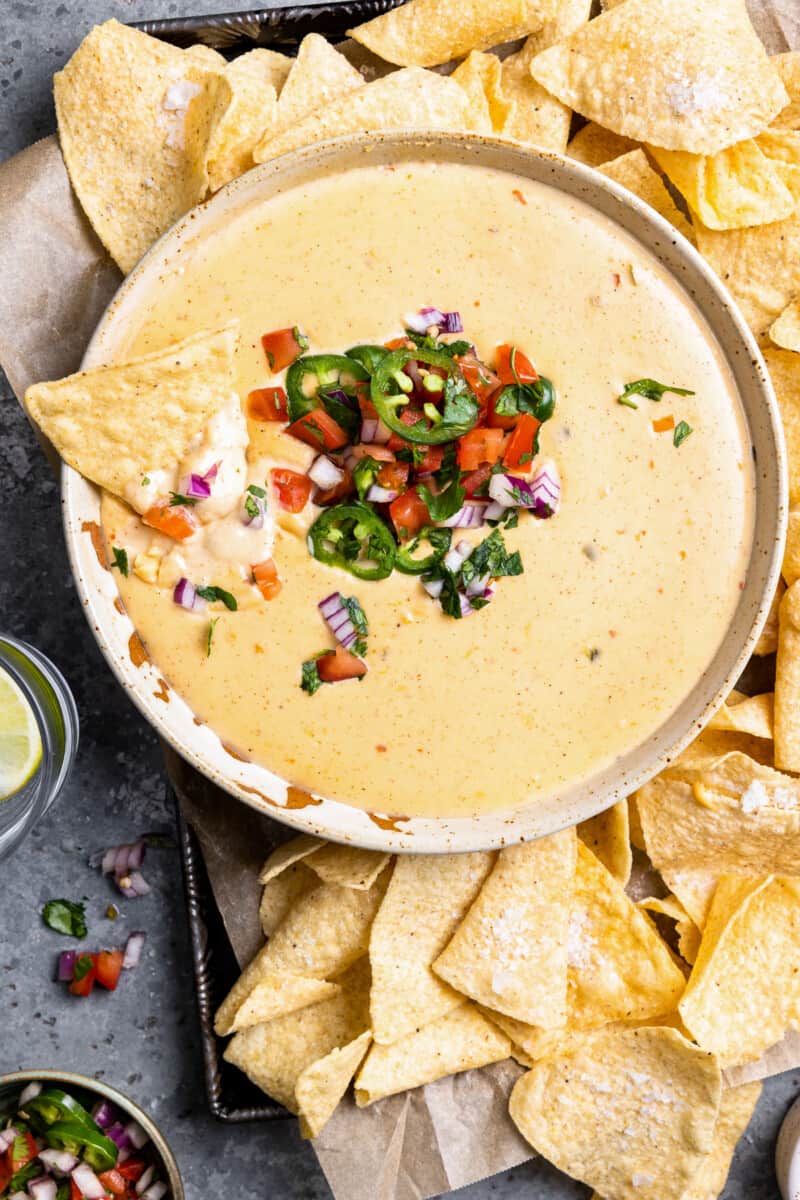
column 144, row 1038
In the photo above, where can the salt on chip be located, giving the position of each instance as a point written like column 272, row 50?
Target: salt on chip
column 608, row 836
column 459, row 1041
column 320, row 74
column 321, row 1085
column 282, row 892
column 273, row 995
column 787, row 686
column 631, row 1112
column 135, row 117
column 275, row 1054
column 736, row 1107
column 347, row 865
column 594, row 145
column 426, row 33
column 688, row 933
column 427, row 899
column 744, row 990
column 480, row 76
column 252, row 110
column 408, row 99
column 746, row 714
column 788, row 67
column 114, row 424
column 510, row 951
column 686, row 75
column 634, row 172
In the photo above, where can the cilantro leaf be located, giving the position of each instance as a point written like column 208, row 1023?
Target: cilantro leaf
column 682, row 431
column 443, row 504
column 177, row 499
column 651, row 389
column 309, row 677
column 537, row 398
column 454, row 349
column 212, row 625
column 491, row 558
column 460, row 406
column 364, row 474
column 65, row 916
column 356, row 614
column 120, row 560
column 255, row 490
column 83, row 965
column 217, row 593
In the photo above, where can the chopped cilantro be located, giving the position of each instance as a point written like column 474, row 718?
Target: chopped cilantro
column 251, row 507
column 356, row 614
column 212, row 625
column 491, row 558
column 176, row 499
column 255, row 490
column 65, row 916
column 509, row 519
column 146, row 481
column 309, row 677
column 120, row 560
column 443, row 504
column 460, row 406
column 537, row 398
column 682, row 431
column 651, row 389
column 423, row 342
column 217, row 593
column 364, row 474
column 83, row 965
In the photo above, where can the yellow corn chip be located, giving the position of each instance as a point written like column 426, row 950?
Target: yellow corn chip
column 768, row 641
column 272, row 64
column 459, row 1041
column 785, row 330
column 744, row 990
column 347, row 865
column 321, row 1086
column 275, row 1054
column 787, row 688
column 688, row 75
column 790, row 568
column 208, row 56
column 425, row 33
column 688, row 933
column 637, row 837
column 282, row 892
column 608, row 836
column 745, row 714
column 788, row 67
column 536, row 117
column 114, row 424
column 594, row 145
column 634, row 172
column 784, row 370
column 273, row 995
column 320, row 75
column 480, row 77
column 135, row 117
column 510, row 952
column 409, row 99
column 630, row 1112
column 287, row 854
column 736, row 1107
column 694, row 890
column 426, row 901
column 252, row 110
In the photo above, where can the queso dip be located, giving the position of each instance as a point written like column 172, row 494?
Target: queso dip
column 626, row 591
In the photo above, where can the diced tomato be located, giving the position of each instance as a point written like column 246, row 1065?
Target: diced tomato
column 175, row 520
column 372, row 450
column 84, row 985
column 473, row 482
column 409, row 416
column 265, row 576
column 497, row 420
column 293, row 488
column 480, row 446
column 392, row 476
column 409, row 513
column 113, row 1181
column 132, row 1169
column 333, row 668
column 108, row 964
column 21, row 1151
column 282, row 347
column 338, row 491
column 75, row 1192
column 395, row 343
column 268, row 404
column 481, row 381
column 5, row 1172
column 319, row 430
column 368, row 410
column 521, row 370
column 521, row 443
column 434, row 456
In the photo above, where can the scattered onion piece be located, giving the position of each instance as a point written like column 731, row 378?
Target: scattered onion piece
column 133, row 950
column 338, row 619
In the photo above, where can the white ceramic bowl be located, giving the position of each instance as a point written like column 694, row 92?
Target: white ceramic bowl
column 257, row 785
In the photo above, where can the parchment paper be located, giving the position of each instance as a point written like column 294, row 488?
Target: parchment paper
column 56, row 281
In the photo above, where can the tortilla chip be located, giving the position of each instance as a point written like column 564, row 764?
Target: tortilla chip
column 114, row 424
column 784, row 370
column 785, row 330
column 207, row 56
column 458, row 1041
column 347, row 865
column 594, row 145
column 536, row 117
column 744, row 990
column 425, row 33
column 135, row 117
column 252, row 110
column 274, row 66
column 425, row 903
column 480, row 77
column 630, row 1112
column 321, row 1086
column 275, row 1054
column 768, row 641
column 694, row 890
column 619, row 968
column 688, row 75
column 637, row 837
column 788, row 67
column 787, row 687
column 736, row 1107
column 634, row 172
column 288, row 853
column 608, row 836
column 790, row 567
column 409, row 99
column 273, row 995
column 688, row 933
column 746, row 714
column 510, row 951
column 320, row 74
column 282, row 893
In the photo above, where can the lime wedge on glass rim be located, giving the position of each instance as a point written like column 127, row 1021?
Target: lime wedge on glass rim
column 20, row 741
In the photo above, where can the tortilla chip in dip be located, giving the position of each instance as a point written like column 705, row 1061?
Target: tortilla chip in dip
column 426, row 901
column 320, row 74
column 744, row 989
column 409, row 99
column 114, row 424
column 135, row 118
column 785, row 329
column 459, row 1041
column 608, row 836
column 510, row 951
column 634, row 172
column 480, row 75
column 685, row 75
column 425, row 33
column 599, row 1110
column 594, row 145
column 320, row 1087
column 251, row 111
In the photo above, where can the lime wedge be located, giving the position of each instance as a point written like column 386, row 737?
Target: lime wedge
column 20, row 743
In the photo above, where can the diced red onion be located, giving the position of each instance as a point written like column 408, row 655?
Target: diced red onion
column 60, row 1161
column 546, row 490
column 128, row 856
column 7, row 1136
column 103, row 1114
column 155, row 1192
column 477, row 586
column 196, row 487
column 133, row 950
column 452, row 323
column 132, row 884
column 29, row 1093
column 456, row 556
column 381, row 495
column 211, row 473
column 502, row 488
column 340, row 396
column 469, row 516
column 338, row 619
column 66, row 967
column 42, row 1188
column 87, row 1182
column 143, row 1182
column 412, row 371
column 448, row 322
column 434, row 587
column 466, row 608
column 494, row 511
column 374, row 431
column 185, row 595
column 325, row 474
column 255, row 520
column 118, row 1136
column 136, row 1134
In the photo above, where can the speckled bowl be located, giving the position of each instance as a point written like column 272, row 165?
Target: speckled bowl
column 257, row 785
column 11, row 1086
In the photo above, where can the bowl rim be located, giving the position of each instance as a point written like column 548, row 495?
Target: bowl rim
column 335, row 820
column 107, row 1090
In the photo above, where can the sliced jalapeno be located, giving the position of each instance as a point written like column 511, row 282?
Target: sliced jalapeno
column 459, row 410
column 354, row 537
column 438, row 539
column 54, row 1105
column 76, row 1138
column 369, row 356
column 311, row 379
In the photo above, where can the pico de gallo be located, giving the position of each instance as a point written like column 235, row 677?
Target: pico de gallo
column 54, row 1146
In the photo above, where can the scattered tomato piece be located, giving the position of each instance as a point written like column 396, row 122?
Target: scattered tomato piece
column 496, row 420
column 268, row 404
column 409, row 416
column 282, row 347
column 319, row 430
column 409, row 514
column 108, row 965
column 22, row 1151
column 132, row 1169
column 517, row 194
column 662, row 424
column 333, row 668
column 265, row 576
column 293, row 488
column 434, row 456
column 520, row 448
column 480, row 380
column 392, row 476
column 84, row 975
column 473, row 482
column 338, row 491
column 113, row 1182
column 395, row 343
column 175, row 520
column 521, row 370
column 480, row 446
